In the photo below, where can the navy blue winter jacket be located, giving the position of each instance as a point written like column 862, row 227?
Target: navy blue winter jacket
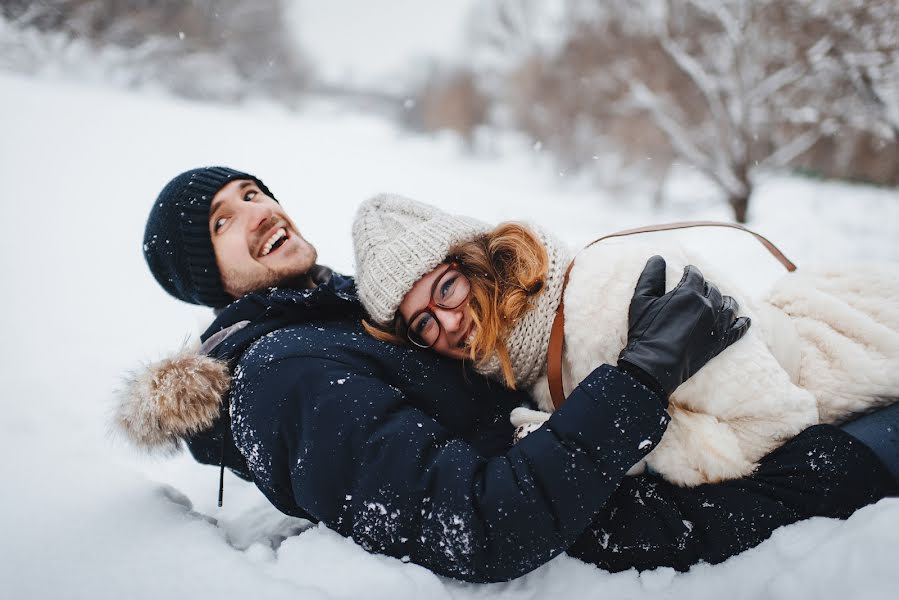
column 410, row 454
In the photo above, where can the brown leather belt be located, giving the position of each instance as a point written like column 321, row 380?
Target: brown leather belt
column 557, row 333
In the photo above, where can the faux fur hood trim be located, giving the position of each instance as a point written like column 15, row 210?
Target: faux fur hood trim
column 170, row 399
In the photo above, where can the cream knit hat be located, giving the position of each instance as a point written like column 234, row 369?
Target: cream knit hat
column 397, row 241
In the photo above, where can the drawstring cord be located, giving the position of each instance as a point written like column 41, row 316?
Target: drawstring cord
column 207, row 348
column 222, row 470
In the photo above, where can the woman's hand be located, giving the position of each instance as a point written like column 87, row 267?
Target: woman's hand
column 671, row 336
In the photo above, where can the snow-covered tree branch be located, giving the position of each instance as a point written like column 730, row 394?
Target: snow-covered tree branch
column 750, row 75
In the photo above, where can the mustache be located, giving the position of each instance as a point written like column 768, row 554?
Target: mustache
column 264, row 229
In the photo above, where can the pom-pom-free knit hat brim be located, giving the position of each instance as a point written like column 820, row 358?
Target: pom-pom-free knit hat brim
column 177, row 244
column 397, row 241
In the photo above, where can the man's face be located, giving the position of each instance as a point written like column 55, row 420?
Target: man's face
column 256, row 244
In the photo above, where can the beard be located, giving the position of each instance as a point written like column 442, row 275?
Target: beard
column 239, row 282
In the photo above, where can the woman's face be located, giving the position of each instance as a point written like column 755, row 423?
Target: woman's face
column 444, row 285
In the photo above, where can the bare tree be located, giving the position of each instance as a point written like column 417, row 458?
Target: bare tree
column 729, row 86
column 774, row 79
column 861, row 48
column 447, row 100
column 552, row 71
column 730, row 51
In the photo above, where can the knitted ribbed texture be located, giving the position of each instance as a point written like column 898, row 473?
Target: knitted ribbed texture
column 396, row 242
column 529, row 338
column 177, row 244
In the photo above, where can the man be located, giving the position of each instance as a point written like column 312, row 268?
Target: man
column 409, row 455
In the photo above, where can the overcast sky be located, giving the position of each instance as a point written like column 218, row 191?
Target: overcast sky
column 370, row 41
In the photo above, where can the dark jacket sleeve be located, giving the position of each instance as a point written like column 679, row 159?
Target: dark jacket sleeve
column 649, row 523
column 349, row 450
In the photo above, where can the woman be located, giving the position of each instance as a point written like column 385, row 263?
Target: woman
column 825, row 347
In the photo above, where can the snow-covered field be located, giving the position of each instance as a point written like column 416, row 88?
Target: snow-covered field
column 82, row 516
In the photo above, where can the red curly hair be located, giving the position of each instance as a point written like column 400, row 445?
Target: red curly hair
column 506, row 266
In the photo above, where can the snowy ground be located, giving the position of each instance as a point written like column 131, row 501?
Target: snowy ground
column 83, row 517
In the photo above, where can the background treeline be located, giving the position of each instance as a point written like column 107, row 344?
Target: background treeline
column 727, row 86
column 223, row 50
column 616, row 88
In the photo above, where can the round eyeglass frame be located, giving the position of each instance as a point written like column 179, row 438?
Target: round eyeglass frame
column 451, row 266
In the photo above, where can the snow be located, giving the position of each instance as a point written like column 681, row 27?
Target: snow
column 84, row 517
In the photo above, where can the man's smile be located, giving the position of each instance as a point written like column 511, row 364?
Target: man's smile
column 274, row 240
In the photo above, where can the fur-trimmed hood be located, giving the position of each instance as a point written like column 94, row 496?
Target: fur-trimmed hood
column 181, row 397
column 171, row 399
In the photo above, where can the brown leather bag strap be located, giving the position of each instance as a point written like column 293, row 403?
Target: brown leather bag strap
column 557, row 333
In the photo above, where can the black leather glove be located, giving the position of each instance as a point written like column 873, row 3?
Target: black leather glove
column 671, row 336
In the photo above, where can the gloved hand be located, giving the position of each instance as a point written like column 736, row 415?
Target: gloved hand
column 671, row 336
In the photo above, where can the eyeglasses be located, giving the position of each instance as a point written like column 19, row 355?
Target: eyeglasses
column 450, row 291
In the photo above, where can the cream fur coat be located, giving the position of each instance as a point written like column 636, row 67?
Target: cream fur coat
column 823, row 345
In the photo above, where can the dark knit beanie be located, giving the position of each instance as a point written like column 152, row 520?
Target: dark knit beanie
column 177, row 244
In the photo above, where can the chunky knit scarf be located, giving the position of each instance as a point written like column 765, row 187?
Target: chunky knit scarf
column 529, row 338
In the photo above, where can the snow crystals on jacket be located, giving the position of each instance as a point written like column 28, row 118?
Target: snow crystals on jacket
column 406, row 452
column 409, row 454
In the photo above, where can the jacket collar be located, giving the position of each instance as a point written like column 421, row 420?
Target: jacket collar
column 260, row 313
